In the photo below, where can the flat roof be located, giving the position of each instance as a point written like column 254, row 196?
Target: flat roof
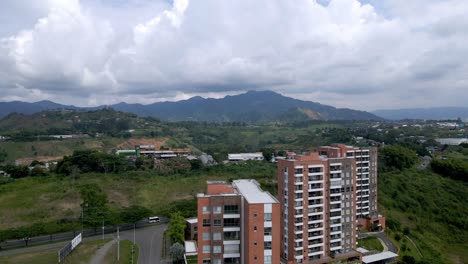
column 362, row 250
column 193, row 220
column 190, row 248
column 252, row 192
column 378, row 257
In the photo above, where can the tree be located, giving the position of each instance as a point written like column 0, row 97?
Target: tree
column 94, row 204
column 196, row 164
column 177, row 253
column 16, row 171
column 176, row 228
column 38, row 171
column 268, row 153
column 3, row 156
column 397, row 157
column 408, row 260
column 134, row 214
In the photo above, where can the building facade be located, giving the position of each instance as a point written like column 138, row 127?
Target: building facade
column 325, row 197
column 238, row 223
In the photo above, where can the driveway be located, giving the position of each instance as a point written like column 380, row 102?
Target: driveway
column 388, row 243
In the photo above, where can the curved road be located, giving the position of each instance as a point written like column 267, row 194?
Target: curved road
column 149, row 240
column 391, row 247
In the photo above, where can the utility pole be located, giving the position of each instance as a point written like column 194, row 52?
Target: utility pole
column 82, row 216
column 133, row 246
column 102, row 229
column 118, row 244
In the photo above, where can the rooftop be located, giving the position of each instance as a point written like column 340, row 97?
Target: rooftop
column 379, row 257
column 193, row 220
column 190, row 248
column 252, row 192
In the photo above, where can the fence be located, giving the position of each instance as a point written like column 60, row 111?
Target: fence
column 70, row 235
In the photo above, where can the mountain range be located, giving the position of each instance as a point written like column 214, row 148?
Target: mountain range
column 434, row 113
column 252, row 106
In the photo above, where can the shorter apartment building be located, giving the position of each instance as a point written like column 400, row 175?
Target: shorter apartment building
column 238, row 223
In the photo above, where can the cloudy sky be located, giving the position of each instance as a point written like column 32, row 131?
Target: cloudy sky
column 367, row 54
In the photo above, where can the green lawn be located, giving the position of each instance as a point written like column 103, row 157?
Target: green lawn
column 370, row 243
column 81, row 255
column 192, row 260
column 51, row 198
column 125, row 253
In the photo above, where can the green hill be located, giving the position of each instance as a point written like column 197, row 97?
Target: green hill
column 106, row 121
column 433, row 209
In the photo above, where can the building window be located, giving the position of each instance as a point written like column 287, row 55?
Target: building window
column 206, row 261
column 216, row 249
column 216, row 209
column 216, row 261
column 206, row 222
column 216, row 236
column 267, row 245
column 206, row 236
column 206, row 209
column 267, row 260
column 298, row 171
column 255, row 228
column 231, row 222
column 267, row 231
column 234, row 235
column 231, row 209
column 217, row 222
column 207, row 249
column 267, row 217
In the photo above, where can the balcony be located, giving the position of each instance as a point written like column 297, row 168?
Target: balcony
column 315, row 211
column 315, row 186
column 315, row 179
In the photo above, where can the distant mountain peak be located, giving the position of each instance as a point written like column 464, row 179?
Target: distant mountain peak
column 251, row 106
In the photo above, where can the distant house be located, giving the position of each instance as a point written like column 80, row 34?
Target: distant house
column 452, row 141
column 150, row 150
column 191, row 229
column 126, row 152
column 245, row 156
column 207, row 159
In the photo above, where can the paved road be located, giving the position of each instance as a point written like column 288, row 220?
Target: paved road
column 388, row 243
column 425, row 163
column 150, row 242
column 148, row 239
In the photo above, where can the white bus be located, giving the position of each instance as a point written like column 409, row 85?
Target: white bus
column 153, row 219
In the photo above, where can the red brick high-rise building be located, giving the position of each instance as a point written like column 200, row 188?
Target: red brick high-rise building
column 325, row 196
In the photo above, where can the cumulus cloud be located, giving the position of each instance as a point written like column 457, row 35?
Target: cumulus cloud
column 365, row 55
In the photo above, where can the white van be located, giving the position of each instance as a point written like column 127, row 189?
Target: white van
column 153, row 219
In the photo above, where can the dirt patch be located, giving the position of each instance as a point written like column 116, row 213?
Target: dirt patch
column 119, row 197
column 311, row 114
column 181, row 196
column 131, row 143
column 27, row 161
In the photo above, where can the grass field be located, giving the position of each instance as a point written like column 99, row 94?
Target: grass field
column 125, row 253
column 370, row 243
column 81, row 255
column 54, row 197
column 16, row 150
